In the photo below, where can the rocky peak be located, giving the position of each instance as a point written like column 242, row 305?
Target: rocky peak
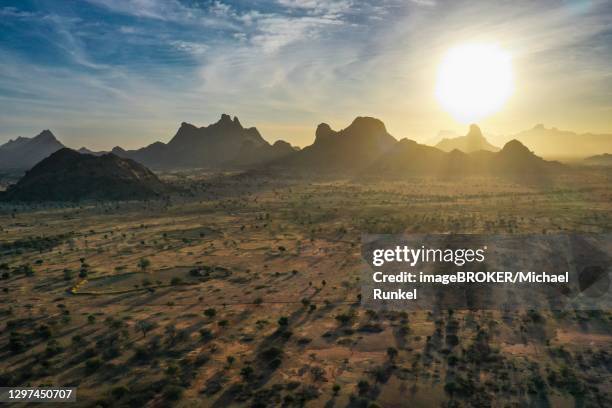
column 365, row 124
column 475, row 132
column 46, row 135
column 323, row 132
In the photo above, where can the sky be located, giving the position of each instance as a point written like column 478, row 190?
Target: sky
column 101, row 73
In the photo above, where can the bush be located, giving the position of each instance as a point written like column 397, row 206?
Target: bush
column 246, row 372
column 92, row 365
column 44, row 331
column 363, row 386
column 119, row 392
column 173, row 392
column 205, row 334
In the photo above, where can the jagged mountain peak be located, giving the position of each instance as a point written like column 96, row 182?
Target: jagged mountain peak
column 473, row 141
column 475, row 132
column 24, row 152
column 45, row 135
column 226, row 121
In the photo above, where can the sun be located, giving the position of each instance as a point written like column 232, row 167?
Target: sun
column 474, row 81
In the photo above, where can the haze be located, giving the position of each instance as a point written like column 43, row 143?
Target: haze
column 102, row 73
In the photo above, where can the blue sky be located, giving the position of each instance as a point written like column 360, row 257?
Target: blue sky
column 102, row 73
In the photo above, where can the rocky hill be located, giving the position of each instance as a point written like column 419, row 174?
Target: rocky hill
column 67, row 175
column 354, row 147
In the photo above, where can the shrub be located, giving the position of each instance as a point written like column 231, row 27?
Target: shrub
column 173, row 392
column 119, row 391
column 92, row 365
column 246, row 372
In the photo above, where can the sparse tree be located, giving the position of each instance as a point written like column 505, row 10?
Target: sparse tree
column 143, row 264
column 145, row 326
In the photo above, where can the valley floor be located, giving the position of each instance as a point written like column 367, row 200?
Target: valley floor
column 244, row 292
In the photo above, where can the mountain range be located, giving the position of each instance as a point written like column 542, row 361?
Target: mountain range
column 67, row 175
column 364, row 148
column 23, row 152
column 410, row 158
column 472, row 142
column 599, row 160
column 560, row 144
column 221, row 145
column 225, row 144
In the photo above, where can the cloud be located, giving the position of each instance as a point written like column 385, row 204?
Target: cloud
column 154, row 63
column 319, row 7
column 218, row 15
column 193, row 48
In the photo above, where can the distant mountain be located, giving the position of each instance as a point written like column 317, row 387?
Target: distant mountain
column 410, row 158
column 67, row 175
column 599, row 160
column 471, row 142
column 223, row 144
column 357, row 146
column 84, row 150
column 555, row 143
column 22, row 153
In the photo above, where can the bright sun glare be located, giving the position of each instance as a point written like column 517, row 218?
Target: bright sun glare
column 474, row 81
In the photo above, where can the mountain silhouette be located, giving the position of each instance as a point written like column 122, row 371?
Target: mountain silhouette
column 471, row 142
column 411, row 158
column 84, row 150
column 223, row 144
column 356, row 146
column 558, row 144
column 599, row 160
column 23, row 152
column 68, row 175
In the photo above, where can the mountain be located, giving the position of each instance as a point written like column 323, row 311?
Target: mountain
column 68, row 175
column 599, row 160
column 557, row 143
column 471, row 142
column 224, row 144
column 22, row 153
column 409, row 158
column 84, row 150
column 354, row 147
